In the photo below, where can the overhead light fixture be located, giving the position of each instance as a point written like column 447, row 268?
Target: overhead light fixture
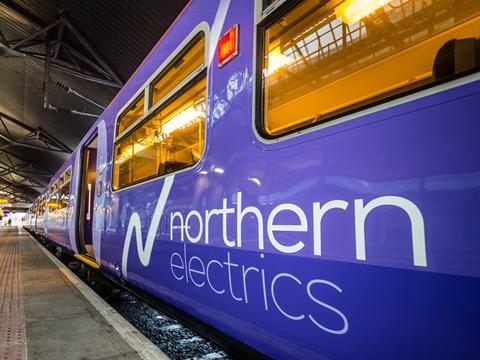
column 191, row 115
column 351, row 11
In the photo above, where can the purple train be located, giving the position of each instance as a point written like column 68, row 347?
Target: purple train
column 300, row 177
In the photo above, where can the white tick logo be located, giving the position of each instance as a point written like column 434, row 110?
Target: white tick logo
column 144, row 253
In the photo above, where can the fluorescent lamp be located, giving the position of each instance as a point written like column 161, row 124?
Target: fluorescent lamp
column 185, row 118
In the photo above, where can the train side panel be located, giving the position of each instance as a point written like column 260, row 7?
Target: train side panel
column 355, row 240
column 311, row 284
column 58, row 216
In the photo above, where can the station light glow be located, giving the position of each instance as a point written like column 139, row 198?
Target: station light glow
column 277, row 61
column 351, row 11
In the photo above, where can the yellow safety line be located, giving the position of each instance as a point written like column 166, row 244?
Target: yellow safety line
column 87, row 261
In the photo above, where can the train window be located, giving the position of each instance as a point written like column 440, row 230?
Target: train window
column 63, row 196
column 171, row 139
column 52, row 204
column 42, row 208
column 64, row 192
column 185, row 64
column 132, row 114
column 323, row 58
column 171, row 135
column 68, row 174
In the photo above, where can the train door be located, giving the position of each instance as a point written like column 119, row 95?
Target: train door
column 87, row 193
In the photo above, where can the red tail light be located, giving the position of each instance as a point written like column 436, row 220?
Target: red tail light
column 228, row 46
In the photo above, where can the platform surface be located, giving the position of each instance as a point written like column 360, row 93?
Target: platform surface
column 42, row 314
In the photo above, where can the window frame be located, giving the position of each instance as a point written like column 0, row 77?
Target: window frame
column 63, row 183
column 67, row 170
column 165, row 68
column 131, row 103
column 267, row 15
column 39, row 204
column 54, row 190
column 150, row 110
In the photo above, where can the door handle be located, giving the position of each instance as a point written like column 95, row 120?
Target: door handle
column 89, row 201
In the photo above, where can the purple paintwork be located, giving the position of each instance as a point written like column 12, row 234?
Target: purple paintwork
column 312, row 303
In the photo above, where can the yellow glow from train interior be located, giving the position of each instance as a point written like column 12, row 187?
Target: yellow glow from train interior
column 183, row 119
column 354, row 10
column 277, row 61
column 191, row 115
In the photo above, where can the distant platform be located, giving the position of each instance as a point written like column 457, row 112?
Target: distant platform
column 46, row 312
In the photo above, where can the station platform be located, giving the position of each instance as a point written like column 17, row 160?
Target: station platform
column 46, row 312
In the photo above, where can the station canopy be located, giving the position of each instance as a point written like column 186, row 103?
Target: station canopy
column 61, row 63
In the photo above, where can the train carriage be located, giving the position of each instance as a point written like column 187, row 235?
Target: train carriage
column 301, row 176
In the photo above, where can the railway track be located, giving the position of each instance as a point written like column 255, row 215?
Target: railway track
column 174, row 338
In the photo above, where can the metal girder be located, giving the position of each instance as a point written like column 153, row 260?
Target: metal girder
column 46, row 74
column 64, row 53
column 84, row 59
column 34, row 35
column 16, row 192
column 30, row 141
column 83, row 75
column 22, row 172
column 37, row 139
column 27, row 15
column 21, row 179
column 92, row 51
column 2, row 37
column 61, row 28
column 94, row 68
column 18, row 170
column 73, row 68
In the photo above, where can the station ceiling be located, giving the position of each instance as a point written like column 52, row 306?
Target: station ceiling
column 61, row 62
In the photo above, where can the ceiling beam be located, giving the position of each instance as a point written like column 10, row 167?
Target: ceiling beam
column 37, row 139
column 101, row 72
column 27, row 15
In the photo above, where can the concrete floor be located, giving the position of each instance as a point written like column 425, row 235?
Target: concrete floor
column 50, row 317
